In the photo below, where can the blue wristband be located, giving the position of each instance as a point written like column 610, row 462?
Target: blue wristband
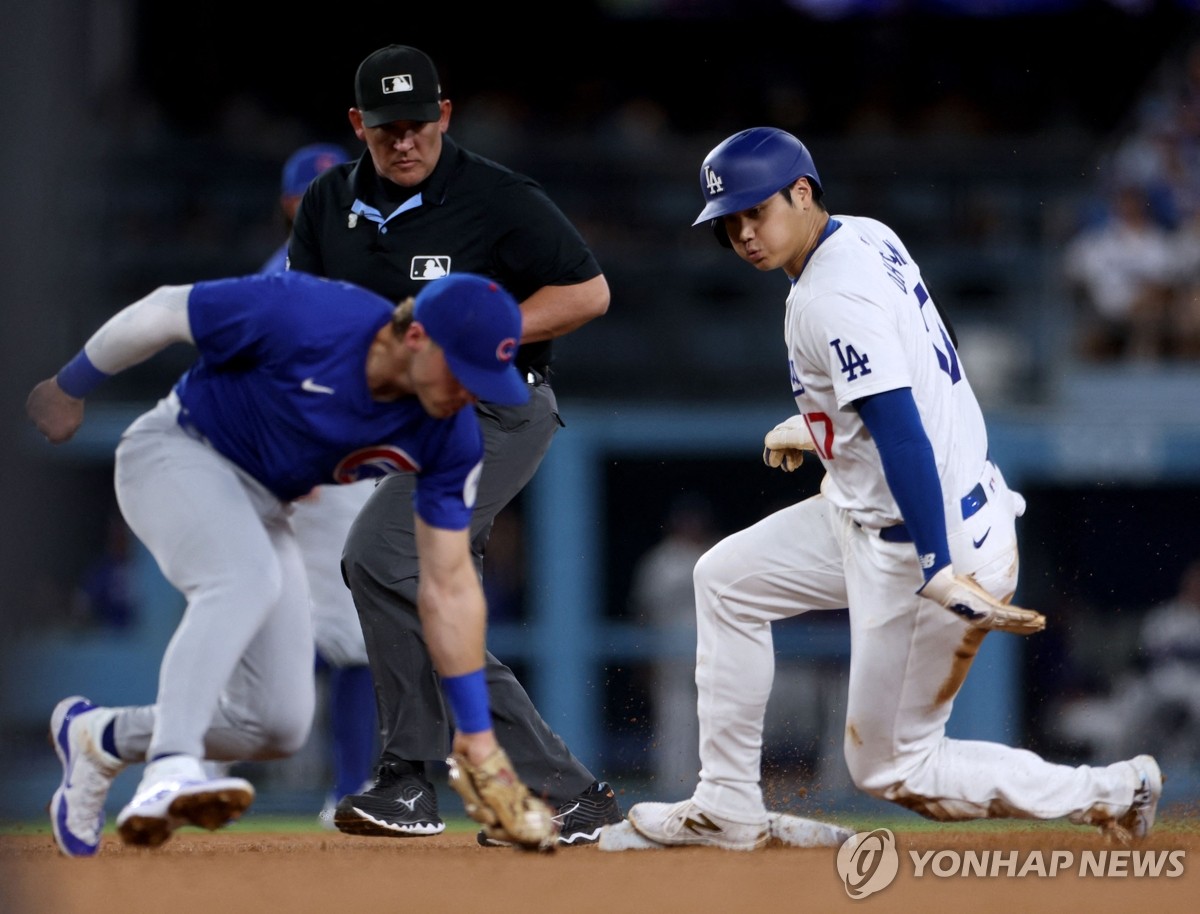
column 79, row 377
column 468, row 696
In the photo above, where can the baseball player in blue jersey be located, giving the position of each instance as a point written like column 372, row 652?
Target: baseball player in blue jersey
column 298, row 172
column 300, row 381
column 913, row 530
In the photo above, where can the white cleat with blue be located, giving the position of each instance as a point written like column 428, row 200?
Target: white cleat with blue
column 1136, row 824
column 175, row 791
column 77, row 807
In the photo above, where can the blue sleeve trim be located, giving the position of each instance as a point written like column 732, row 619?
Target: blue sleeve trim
column 911, row 472
column 79, row 377
column 468, row 696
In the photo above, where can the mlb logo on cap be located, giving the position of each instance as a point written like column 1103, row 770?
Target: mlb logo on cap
column 402, row 83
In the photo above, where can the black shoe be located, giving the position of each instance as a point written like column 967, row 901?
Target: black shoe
column 580, row 819
column 399, row 805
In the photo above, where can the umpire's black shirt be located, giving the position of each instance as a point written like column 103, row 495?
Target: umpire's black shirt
column 470, row 215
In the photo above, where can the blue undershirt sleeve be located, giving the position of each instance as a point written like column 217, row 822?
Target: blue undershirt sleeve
column 911, row 472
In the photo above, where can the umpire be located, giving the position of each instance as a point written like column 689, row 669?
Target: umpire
column 416, row 207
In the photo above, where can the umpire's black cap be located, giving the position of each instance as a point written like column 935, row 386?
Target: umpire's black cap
column 397, row 83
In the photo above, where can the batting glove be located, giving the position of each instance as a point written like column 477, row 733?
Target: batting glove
column 785, row 444
column 963, row 597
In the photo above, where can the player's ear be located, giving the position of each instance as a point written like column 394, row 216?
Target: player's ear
column 415, row 335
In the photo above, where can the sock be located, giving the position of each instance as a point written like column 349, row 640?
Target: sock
column 353, row 727
column 108, row 739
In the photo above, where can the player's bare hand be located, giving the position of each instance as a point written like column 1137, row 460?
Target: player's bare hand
column 963, row 597
column 56, row 413
column 785, row 444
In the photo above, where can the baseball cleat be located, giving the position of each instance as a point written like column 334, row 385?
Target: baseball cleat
column 77, row 807
column 174, row 792
column 1136, row 824
column 580, row 820
column 796, row 831
column 395, row 806
column 685, row 823
column 624, row 837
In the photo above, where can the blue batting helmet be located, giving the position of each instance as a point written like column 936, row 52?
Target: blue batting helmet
column 306, row 163
column 749, row 167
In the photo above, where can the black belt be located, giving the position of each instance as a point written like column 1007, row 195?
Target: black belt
column 971, row 503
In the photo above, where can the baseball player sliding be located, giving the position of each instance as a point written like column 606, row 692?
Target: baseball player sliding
column 300, row 381
column 913, row 530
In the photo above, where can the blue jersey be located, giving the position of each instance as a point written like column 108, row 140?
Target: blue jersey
column 280, row 388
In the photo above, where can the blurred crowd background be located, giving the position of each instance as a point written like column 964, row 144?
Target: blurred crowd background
column 1041, row 159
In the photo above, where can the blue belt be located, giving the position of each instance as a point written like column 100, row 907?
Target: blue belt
column 971, row 503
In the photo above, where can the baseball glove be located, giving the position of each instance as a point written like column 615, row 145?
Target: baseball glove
column 495, row 797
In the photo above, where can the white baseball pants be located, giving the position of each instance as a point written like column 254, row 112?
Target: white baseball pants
column 908, row 658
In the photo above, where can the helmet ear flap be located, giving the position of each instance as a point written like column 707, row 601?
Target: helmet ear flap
column 722, row 236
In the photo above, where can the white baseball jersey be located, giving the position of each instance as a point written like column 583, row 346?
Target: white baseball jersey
column 860, row 322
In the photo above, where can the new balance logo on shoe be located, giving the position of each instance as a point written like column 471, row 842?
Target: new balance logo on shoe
column 701, row 825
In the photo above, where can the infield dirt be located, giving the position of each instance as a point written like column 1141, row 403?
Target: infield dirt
column 241, row 870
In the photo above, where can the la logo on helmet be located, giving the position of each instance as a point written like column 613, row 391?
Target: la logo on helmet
column 712, row 180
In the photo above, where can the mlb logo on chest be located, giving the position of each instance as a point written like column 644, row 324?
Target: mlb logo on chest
column 429, row 266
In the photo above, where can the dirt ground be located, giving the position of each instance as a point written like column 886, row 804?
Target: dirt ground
column 241, row 870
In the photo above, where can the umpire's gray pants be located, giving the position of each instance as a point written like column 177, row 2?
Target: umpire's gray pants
column 380, row 565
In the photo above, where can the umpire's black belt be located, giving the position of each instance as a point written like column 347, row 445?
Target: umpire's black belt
column 971, row 503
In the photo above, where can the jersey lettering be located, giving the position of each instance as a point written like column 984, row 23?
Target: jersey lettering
column 892, row 263
column 948, row 360
column 922, row 298
column 823, row 438
column 797, row 384
column 854, row 366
